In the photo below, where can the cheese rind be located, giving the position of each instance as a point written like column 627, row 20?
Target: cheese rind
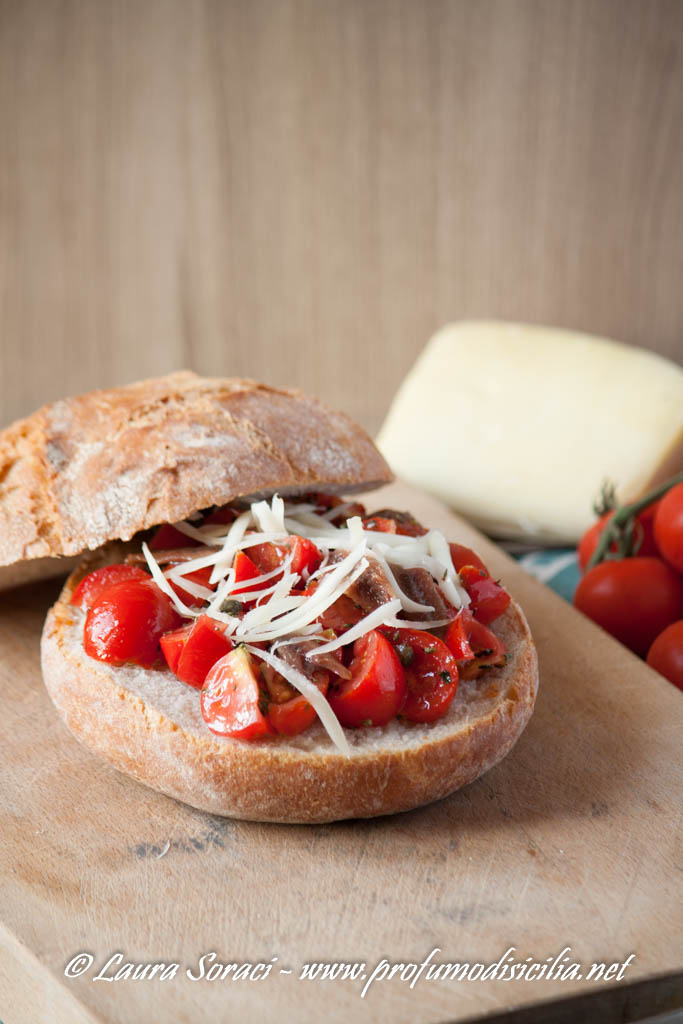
column 517, row 427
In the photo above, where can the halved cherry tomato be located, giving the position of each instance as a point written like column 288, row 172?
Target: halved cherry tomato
column 431, row 673
column 666, row 654
column 461, row 556
column 95, row 583
column 473, row 645
column 488, row 599
column 167, row 538
column 205, row 644
column 489, row 650
column 244, row 570
column 341, row 615
column 297, row 714
column 644, row 533
column 329, row 501
column 322, row 500
column 380, row 523
column 458, row 637
column 231, row 699
column 634, row 599
column 388, row 520
column 200, row 576
column 223, row 516
column 669, row 527
column 172, row 645
column 266, row 557
column 305, row 555
column 127, row 621
column 377, row 689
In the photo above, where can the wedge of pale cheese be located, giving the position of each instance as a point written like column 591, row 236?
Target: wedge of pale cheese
column 518, row 427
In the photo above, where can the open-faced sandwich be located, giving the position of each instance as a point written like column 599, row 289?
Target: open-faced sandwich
column 242, row 634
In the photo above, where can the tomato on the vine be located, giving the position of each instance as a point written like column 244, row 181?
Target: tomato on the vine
column 669, row 527
column 644, row 536
column 666, row 654
column 634, row 599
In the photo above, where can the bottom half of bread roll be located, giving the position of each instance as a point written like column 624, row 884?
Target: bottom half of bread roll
column 148, row 724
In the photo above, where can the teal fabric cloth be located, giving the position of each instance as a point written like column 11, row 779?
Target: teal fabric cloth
column 556, row 567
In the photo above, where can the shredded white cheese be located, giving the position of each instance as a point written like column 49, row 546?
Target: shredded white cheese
column 312, row 694
column 279, row 616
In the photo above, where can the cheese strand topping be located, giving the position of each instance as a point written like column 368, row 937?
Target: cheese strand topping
column 277, row 613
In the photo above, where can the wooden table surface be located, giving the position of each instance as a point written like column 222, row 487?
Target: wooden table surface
column 302, row 191
column 574, row 840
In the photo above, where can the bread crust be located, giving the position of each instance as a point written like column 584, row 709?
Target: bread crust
column 105, row 465
column 148, row 725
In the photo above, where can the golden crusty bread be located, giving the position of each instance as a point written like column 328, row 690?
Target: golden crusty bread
column 149, row 725
column 107, row 464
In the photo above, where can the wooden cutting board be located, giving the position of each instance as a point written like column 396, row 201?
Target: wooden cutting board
column 570, row 842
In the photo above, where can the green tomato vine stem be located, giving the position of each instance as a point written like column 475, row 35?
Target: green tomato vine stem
column 619, row 529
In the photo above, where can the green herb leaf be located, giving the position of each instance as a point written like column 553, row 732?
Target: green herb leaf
column 406, row 654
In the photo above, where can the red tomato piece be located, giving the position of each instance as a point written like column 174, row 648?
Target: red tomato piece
column 231, row 699
column 474, row 646
column 205, row 645
column 380, row 523
column 266, row 556
column 306, row 557
column 458, row 637
column 95, row 583
column 200, row 576
column 489, row 650
column 341, row 615
column 329, row 501
column 488, row 599
column 669, row 527
column 666, row 654
column 172, row 645
column 431, row 673
column 377, row 689
column 223, row 516
column 322, row 500
column 296, row 715
column 461, row 556
column 388, row 520
column 633, row 599
column 167, row 538
column 127, row 621
column 644, row 532
column 244, row 570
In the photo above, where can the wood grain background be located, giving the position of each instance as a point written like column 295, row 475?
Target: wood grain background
column 303, row 190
